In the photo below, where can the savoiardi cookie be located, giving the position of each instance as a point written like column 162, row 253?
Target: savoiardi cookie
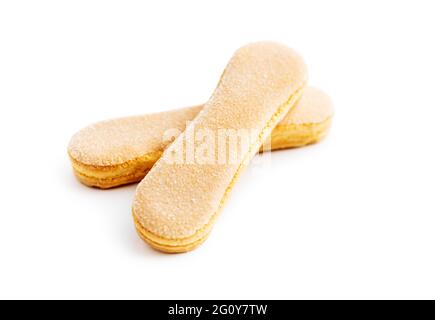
column 177, row 203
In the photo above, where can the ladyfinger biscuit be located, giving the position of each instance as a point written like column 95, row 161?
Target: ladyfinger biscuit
column 177, row 203
column 116, row 152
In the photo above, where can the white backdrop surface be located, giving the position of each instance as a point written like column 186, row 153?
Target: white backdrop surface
column 351, row 217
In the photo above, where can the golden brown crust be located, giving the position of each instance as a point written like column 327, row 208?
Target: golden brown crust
column 299, row 135
column 106, row 177
column 162, row 245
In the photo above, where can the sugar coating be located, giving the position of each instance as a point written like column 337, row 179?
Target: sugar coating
column 174, row 201
column 117, row 141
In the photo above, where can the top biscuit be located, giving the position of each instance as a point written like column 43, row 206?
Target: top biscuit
column 178, row 201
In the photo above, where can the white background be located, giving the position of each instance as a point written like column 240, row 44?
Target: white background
column 351, row 217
